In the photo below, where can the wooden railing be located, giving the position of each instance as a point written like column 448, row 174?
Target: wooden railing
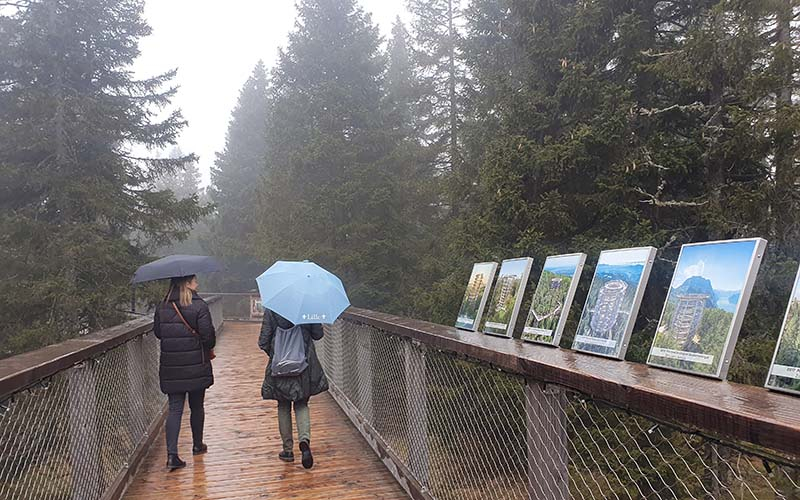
column 77, row 417
column 460, row 414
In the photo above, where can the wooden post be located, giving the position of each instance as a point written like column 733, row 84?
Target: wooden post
column 548, row 452
column 364, row 366
column 417, row 406
column 84, row 444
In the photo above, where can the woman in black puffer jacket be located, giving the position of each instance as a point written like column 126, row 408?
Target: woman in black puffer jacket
column 183, row 324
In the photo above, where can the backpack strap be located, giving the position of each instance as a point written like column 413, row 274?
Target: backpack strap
column 185, row 323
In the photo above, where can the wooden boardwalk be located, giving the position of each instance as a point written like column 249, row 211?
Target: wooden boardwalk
column 243, row 441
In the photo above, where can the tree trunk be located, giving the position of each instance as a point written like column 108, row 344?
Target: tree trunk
column 452, row 77
column 785, row 176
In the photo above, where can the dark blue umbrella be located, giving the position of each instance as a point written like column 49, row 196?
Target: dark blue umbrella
column 176, row 266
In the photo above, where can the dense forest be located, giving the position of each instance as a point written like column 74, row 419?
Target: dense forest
column 478, row 131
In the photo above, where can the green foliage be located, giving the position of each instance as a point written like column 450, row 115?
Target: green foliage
column 236, row 178
column 73, row 194
column 343, row 185
column 617, row 123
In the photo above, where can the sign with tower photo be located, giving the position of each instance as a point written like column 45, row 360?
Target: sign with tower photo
column 613, row 301
column 553, row 298
column 480, row 281
column 705, row 306
column 507, row 296
column 256, row 307
column 784, row 372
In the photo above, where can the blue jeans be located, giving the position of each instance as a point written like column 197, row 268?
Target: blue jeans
column 197, row 419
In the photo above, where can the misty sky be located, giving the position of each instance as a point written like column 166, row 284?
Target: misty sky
column 214, row 46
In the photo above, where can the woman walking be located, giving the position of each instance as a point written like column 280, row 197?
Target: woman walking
column 183, row 324
column 292, row 389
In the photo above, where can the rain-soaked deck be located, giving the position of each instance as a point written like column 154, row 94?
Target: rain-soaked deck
column 242, row 435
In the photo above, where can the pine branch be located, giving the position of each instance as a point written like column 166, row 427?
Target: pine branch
column 654, row 200
column 695, row 106
column 650, row 53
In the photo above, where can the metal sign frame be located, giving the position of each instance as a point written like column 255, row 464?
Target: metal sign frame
column 485, row 296
column 620, row 344
column 738, row 314
column 566, row 305
column 509, row 329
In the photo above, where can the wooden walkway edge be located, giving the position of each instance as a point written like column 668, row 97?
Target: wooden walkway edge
column 242, row 435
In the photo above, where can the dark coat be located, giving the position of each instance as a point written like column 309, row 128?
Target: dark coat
column 300, row 387
column 185, row 365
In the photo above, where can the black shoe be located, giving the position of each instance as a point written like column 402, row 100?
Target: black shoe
column 199, row 449
column 286, row 456
column 174, row 462
column 308, row 458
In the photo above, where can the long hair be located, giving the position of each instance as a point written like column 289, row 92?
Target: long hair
column 184, row 293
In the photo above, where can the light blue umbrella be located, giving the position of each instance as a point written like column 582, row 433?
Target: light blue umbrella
column 302, row 292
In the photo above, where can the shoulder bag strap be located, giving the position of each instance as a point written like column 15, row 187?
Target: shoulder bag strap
column 175, row 306
column 194, row 332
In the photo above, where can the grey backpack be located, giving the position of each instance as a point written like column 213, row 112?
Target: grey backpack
column 289, row 355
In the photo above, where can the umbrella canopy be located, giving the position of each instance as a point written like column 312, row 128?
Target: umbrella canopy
column 302, row 292
column 175, row 266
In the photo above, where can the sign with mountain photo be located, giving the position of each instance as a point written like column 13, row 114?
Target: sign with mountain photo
column 507, row 296
column 613, row 301
column 784, row 372
column 480, row 281
column 705, row 306
column 553, row 298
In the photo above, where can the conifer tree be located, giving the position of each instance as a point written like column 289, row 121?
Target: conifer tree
column 331, row 194
column 72, row 189
column 236, row 179
column 240, row 165
column 440, row 75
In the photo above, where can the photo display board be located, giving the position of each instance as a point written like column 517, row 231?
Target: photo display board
column 474, row 302
column 784, row 372
column 507, row 296
column 613, row 301
column 256, row 307
column 705, row 306
column 553, row 298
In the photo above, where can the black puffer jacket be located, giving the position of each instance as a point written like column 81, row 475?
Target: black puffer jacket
column 300, row 387
column 185, row 366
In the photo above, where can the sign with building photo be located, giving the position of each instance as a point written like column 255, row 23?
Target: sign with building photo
column 613, row 301
column 705, row 306
column 475, row 296
column 507, row 296
column 784, row 372
column 553, row 298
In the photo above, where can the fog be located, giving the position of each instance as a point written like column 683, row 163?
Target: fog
column 214, row 46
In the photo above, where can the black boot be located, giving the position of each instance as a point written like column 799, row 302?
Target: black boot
column 175, row 462
column 308, row 458
column 286, row 456
column 199, row 449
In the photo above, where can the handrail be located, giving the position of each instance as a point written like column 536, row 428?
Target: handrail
column 89, row 407
column 24, row 370
column 720, row 409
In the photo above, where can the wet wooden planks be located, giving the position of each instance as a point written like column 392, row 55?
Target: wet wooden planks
column 243, row 440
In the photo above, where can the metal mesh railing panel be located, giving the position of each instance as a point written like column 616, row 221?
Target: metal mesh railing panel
column 468, row 431
column 70, row 435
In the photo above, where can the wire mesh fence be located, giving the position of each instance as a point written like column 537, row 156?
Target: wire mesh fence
column 468, row 431
column 68, row 436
